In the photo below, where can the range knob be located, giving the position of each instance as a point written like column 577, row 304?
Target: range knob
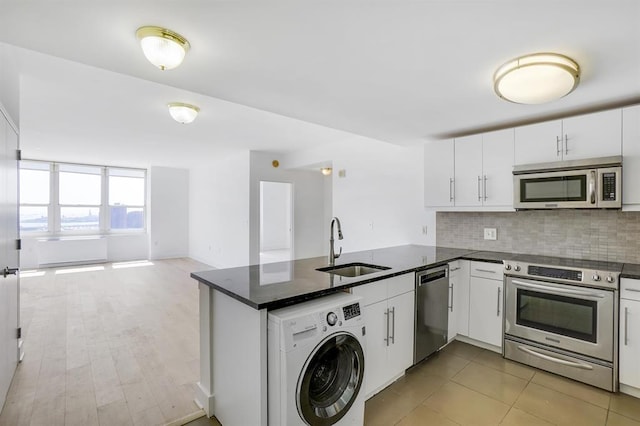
column 507, row 266
column 611, row 279
column 332, row 318
column 517, row 268
column 595, row 277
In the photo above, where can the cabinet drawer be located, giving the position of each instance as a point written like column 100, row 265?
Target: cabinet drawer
column 371, row 293
column 400, row 284
column 630, row 289
column 492, row 271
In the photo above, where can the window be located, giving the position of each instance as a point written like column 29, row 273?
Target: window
column 126, row 198
column 34, row 196
column 60, row 198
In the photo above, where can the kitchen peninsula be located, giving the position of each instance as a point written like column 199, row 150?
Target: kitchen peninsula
column 233, row 316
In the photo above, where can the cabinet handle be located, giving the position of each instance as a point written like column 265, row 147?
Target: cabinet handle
column 393, row 325
column 386, row 339
column 479, row 196
column 632, row 289
column 451, row 190
column 626, row 325
column 451, row 297
column 455, row 269
column 498, row 305
column 484, row 186
column 566, row 144
column 592, row 188
column 558, row 149
column 485, row 270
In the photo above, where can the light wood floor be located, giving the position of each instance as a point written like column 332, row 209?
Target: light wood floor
column 109, row 344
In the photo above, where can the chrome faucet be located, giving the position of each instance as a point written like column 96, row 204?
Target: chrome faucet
column 332, row 253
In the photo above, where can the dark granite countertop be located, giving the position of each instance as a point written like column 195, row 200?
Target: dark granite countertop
column 630, row 270
column 275, row 285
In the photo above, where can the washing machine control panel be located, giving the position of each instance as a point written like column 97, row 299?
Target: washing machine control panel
column 351, row 311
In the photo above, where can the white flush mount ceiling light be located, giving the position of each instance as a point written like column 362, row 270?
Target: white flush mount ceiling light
column 183, row 113
column 536, row 78
column 162, row 47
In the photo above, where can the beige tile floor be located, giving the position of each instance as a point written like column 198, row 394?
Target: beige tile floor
column 111, row 344
column 466, row 385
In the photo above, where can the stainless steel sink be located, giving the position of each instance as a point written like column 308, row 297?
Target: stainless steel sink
column 353, row 269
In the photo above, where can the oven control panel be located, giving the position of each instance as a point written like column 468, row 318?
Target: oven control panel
column 587, row 277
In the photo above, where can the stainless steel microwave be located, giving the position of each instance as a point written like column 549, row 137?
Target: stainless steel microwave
column 577, row 184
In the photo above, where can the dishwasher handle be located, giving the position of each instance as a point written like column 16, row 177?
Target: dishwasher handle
column 431, row 275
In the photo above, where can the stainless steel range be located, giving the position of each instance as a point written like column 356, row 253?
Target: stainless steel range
column 561, row 315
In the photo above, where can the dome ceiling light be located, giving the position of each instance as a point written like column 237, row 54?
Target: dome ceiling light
column 536, row 78
column 183, row 113
column 162, row 47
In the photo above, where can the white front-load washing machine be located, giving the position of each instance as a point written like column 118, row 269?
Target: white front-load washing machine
column 316, row 362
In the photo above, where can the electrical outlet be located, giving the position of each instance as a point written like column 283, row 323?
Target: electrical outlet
column 490, row 234
column 424, row 229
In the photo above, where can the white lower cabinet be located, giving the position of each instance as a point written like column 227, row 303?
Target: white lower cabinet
column 458, row 299
column 486, row 294
column 629, row 333
column 389, row 309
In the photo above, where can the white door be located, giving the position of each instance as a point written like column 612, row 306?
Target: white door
column 592, row 135
column 438, row 174
column 468, row 171
column 538, row 143
column 376, row 369
column 497, row 168
column 485, row 310
column 9, row 258
column 629, row 342
column 276, row 221
column 402, row 311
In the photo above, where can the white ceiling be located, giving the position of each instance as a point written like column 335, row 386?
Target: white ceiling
column 395, row 70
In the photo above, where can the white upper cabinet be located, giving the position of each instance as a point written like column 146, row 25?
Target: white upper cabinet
column 497, row 168
column 575, row 138
column 631, row 157
column 438, row 174
column 468, row 171
column 538, row 143
column 592, row 135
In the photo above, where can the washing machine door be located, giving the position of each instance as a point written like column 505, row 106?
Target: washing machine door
column 330, row 380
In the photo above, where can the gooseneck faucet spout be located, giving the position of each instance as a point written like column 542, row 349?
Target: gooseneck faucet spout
column 332, row 253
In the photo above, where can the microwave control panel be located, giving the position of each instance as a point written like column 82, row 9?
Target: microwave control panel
column 608, row 186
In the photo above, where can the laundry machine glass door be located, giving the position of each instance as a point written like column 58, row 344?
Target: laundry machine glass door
column 331, row 380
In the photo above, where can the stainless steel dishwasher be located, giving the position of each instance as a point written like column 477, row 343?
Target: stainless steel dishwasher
column 432, row 316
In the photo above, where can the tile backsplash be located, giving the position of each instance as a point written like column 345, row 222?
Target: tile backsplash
column 609, row 235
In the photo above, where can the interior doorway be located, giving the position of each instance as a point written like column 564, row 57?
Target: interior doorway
column 276, row 221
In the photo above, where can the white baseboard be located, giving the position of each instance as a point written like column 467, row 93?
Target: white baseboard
column 630, row 390
column 204, row 400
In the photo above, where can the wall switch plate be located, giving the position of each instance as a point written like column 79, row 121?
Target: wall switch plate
column 342, row 173
column 490, row 234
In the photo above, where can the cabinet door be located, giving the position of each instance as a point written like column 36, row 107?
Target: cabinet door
column 592, row 135
column 497, row 168
column 631, row 154
column 538, row 143
column 461, row 297
column 454, row 268
column 402, row 311
column 485, row 310
column 629, row 342
column 468, row 171
column 438, row 174
column 377, row 371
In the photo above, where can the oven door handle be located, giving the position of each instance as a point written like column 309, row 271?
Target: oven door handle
column 556, row 360
column 559, row 290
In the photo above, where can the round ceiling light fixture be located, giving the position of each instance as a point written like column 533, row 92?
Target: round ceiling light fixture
column 162, row 47
column 326, row 171
column 183, row 113
column 536, row 78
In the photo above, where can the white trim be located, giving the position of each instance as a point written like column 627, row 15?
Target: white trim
column 12, row 123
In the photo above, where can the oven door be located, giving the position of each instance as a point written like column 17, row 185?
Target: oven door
column 576, row 319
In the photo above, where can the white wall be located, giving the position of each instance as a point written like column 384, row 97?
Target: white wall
column 168, row 212
column 275, row 215
column 308, row 205
column 219, row 211
column 10, row 83
column 380, row 199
